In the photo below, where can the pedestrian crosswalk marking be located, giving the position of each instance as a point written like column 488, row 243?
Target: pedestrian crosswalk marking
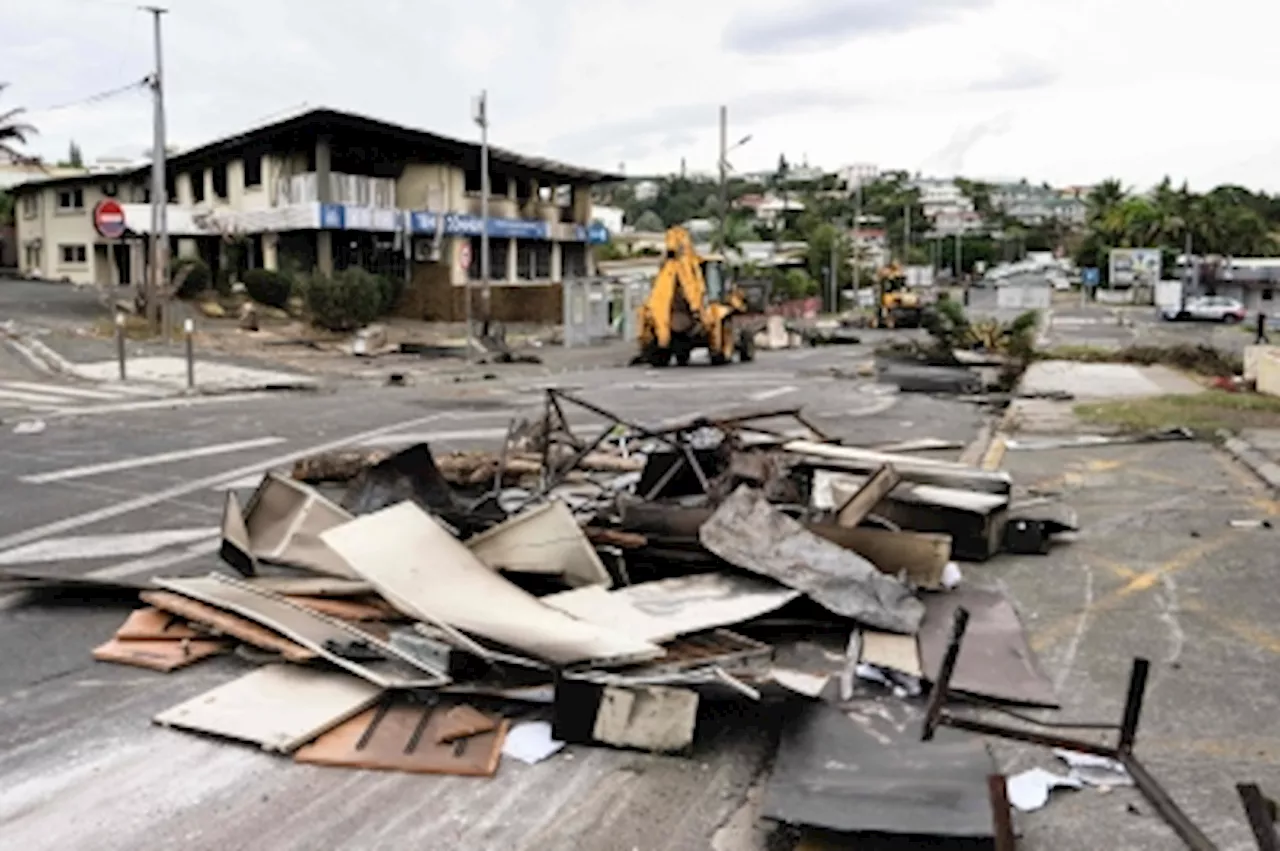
column 54, row 397
column 64, row 390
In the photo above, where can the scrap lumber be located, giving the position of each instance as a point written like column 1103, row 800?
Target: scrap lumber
column 158, row 655
column 405, row 736
column 454, row 589
column 226, row 623
column 278, row 707
column 925, row 471
column 151, row 624
column 348, row 610
column 862, row 501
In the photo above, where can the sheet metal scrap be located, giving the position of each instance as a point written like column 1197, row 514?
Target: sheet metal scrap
column 937, row 715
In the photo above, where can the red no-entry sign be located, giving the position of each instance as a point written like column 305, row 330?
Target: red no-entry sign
column 108, row 219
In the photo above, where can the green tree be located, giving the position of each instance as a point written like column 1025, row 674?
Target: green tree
column 75, row 158
column 13, row 132
column 650, row 222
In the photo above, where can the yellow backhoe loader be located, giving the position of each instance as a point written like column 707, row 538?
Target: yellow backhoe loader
column 899, row 306
column 691, row 306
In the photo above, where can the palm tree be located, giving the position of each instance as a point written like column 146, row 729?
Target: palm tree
column 12, row 132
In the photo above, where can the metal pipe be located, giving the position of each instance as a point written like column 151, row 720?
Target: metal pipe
column 1169, row 811
column 120, row 320
column 1260, row 818
column 1001, row 816
column 188, row 329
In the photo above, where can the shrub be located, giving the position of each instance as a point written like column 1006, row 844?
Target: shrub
column 267, row 287
column 344, row 302
column 191, row 276
column 392, row 288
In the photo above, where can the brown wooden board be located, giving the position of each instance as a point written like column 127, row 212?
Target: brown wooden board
column 350, row 610
column 229, row 624
column 163, row 655
column 154, row 625
column 384, row 749
column 464, row 721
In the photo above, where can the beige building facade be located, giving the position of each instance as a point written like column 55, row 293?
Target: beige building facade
column 326, row 190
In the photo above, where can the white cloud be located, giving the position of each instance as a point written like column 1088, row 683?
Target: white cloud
column 1060, row 90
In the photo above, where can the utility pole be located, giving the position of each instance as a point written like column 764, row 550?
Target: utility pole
column 906, row 233
column 724, row 177
column 857, row 234
column 482, row 118
column 958, row 254
column 835, row 277
column 159, row 217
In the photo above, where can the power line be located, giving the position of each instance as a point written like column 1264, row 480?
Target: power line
column 100, row 96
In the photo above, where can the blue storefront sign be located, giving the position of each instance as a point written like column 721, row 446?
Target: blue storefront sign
column 334, row 217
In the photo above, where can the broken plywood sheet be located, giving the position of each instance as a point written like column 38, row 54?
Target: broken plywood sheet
column 926, row 471
column 462, row 722
column 888, row 650
column 405, row 737
column 662, row 610
column 544, row 539
column 750, row 533
column 279, row 707
column 226, row 623
column 158, row 655
column 834, row 773
column 920, row 556
column 282, row 524
column 995, row 659
column 343, row 644
column 154, row 625
column 452, row 587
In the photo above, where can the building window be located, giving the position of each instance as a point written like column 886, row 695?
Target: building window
column 497, row 259
column 252, row 170
column 573, row 260
column 1268, row 294
column 30, row 206
column 220, row 181
column 33, row 256
column 533, row 260
column 70, row 199
column 73, row 255
column 473, row 180
column 498, row 184
column 197, row 186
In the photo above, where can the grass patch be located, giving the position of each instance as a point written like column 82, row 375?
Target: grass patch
column 1203, row 413
column 1200, row 360
column 135, row 328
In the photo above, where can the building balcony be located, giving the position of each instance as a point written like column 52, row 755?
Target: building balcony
column 356, row 190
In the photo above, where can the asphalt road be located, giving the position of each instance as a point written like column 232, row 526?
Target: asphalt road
column 75, row 735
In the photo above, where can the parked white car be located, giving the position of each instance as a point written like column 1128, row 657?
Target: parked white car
column 1214, row 308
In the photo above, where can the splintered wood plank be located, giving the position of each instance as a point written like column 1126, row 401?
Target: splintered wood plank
column 350, row 610
column 162, row 655
column 229, row 624
column 277, row 706
column 151, row 624
column 384, row 748
column 464, row 721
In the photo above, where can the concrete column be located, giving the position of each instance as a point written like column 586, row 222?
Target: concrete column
column 182, row 184
column 187, row 248
column 513, row 255
column 209, row 197
column 324, row 252
column 324, row 191
column 270, row 251
column 557, row 262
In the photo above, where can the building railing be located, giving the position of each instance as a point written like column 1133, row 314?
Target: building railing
column 356, row 190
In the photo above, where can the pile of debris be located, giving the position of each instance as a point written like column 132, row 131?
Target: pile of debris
column 442, row 613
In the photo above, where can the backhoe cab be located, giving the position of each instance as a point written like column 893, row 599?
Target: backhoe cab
column 691, row 305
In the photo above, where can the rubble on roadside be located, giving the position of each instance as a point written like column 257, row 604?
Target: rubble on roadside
column 436, row 614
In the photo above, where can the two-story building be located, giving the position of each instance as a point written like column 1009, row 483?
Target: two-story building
column 325, row 190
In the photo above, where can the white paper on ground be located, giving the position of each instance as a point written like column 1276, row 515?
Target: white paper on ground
column 531, row 742
column 1095, row 770
column 1030, row 790
column 951, row 575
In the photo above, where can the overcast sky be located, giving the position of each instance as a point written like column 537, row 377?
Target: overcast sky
column 1066, row 91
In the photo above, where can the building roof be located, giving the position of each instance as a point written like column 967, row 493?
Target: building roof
column 332, row 120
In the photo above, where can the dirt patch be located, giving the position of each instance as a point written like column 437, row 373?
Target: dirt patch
column 1203, row 413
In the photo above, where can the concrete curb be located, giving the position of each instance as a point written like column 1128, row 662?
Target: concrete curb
column 1264, row 468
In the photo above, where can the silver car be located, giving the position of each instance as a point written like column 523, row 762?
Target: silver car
column 1212, row 308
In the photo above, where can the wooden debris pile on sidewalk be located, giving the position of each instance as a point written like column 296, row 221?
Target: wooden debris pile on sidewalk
column 443, row 612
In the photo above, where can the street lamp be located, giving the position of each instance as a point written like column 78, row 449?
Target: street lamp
column 480, row 114
column 725, row 150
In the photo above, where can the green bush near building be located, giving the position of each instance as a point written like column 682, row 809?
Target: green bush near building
column 267, row 287
column 192, row 277
column 345, row 301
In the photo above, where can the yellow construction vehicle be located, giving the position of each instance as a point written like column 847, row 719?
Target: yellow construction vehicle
column 691, row 306
column 899, row 306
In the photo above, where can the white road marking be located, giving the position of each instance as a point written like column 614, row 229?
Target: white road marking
column 150, row 460
column 32, row 398
column 77, row 521
column 250, row 481
column 772, row 394
column 158, row 561
column 80, row 547
column 158, row 404
column 66, row 391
